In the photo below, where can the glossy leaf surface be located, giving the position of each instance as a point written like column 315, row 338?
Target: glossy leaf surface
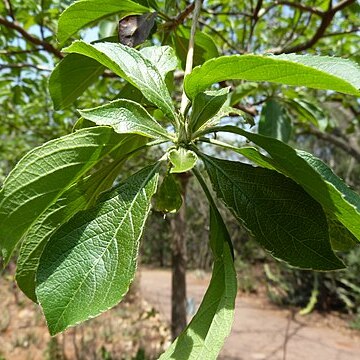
column 204, row 48
column 274, row 121
column 340, row 237
column 205, row 106
column 168, row 199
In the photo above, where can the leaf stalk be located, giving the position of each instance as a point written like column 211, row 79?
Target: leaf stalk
column 190, row 53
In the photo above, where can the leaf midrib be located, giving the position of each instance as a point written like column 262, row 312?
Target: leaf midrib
column 264, row 213
column 143, row 184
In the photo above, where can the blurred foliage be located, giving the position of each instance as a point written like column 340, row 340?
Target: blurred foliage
column 335, row 290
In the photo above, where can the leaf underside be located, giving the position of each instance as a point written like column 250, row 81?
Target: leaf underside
column 91, row 259
column 79, row 196
column 43, row 174
column 131, row 65
column 125, row 117
column 182, row 160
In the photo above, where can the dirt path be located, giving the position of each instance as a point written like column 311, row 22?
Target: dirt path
column 260, row 331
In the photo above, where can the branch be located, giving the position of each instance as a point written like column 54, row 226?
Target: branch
column 251, row 110
column 254, row 20
column 228, row 13
column 30, row 38
column 22, row 66
column 326, row 18
column 351, row 150
column 9, row 8
column 174, row 23
column 342, row 4
column 16, row 52
column 351, row 31
column 299, row 6
column 223, row 38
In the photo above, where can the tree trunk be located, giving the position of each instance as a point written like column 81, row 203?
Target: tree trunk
column 178, row 257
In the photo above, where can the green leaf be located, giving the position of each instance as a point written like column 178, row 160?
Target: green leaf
column 168, row 198
column 130, row 92
column 71, row 77
column 126, row 117
column 204, row 337
column 150, row 3
column 133, row 67
column 318, row 72
column 182, row 160
column 254, row 155
column 204, row 48
column 274, row 121
column 326, row 173
column 85, row 12
column 78, row 197
column 107, row 29
column 241, row 91
column 340, row 237
column 225, row 111
column 162, row 57
column 43, row 174
column 315, row 177
column 282, row 217
column 305, row 110
column 89, row 263
column 205, row 106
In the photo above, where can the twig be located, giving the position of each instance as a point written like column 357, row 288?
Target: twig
column 223, row 38
column 228, row 13
column 30, row 38
column 286, row 40
column 42, row 21
column 251, row 110
column 22, row 66
column 287, row 336
column 297, row 5
column 254, row 20
column 16, row 52
column 190, row 54
column 351, row 31
column 9, row 8
column 351, row 150
column 174, row 23
column 326, row 19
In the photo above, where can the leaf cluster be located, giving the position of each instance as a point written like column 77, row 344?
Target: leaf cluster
column 80, row 235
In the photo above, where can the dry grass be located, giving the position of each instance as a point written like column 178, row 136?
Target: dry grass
column 131, row 330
